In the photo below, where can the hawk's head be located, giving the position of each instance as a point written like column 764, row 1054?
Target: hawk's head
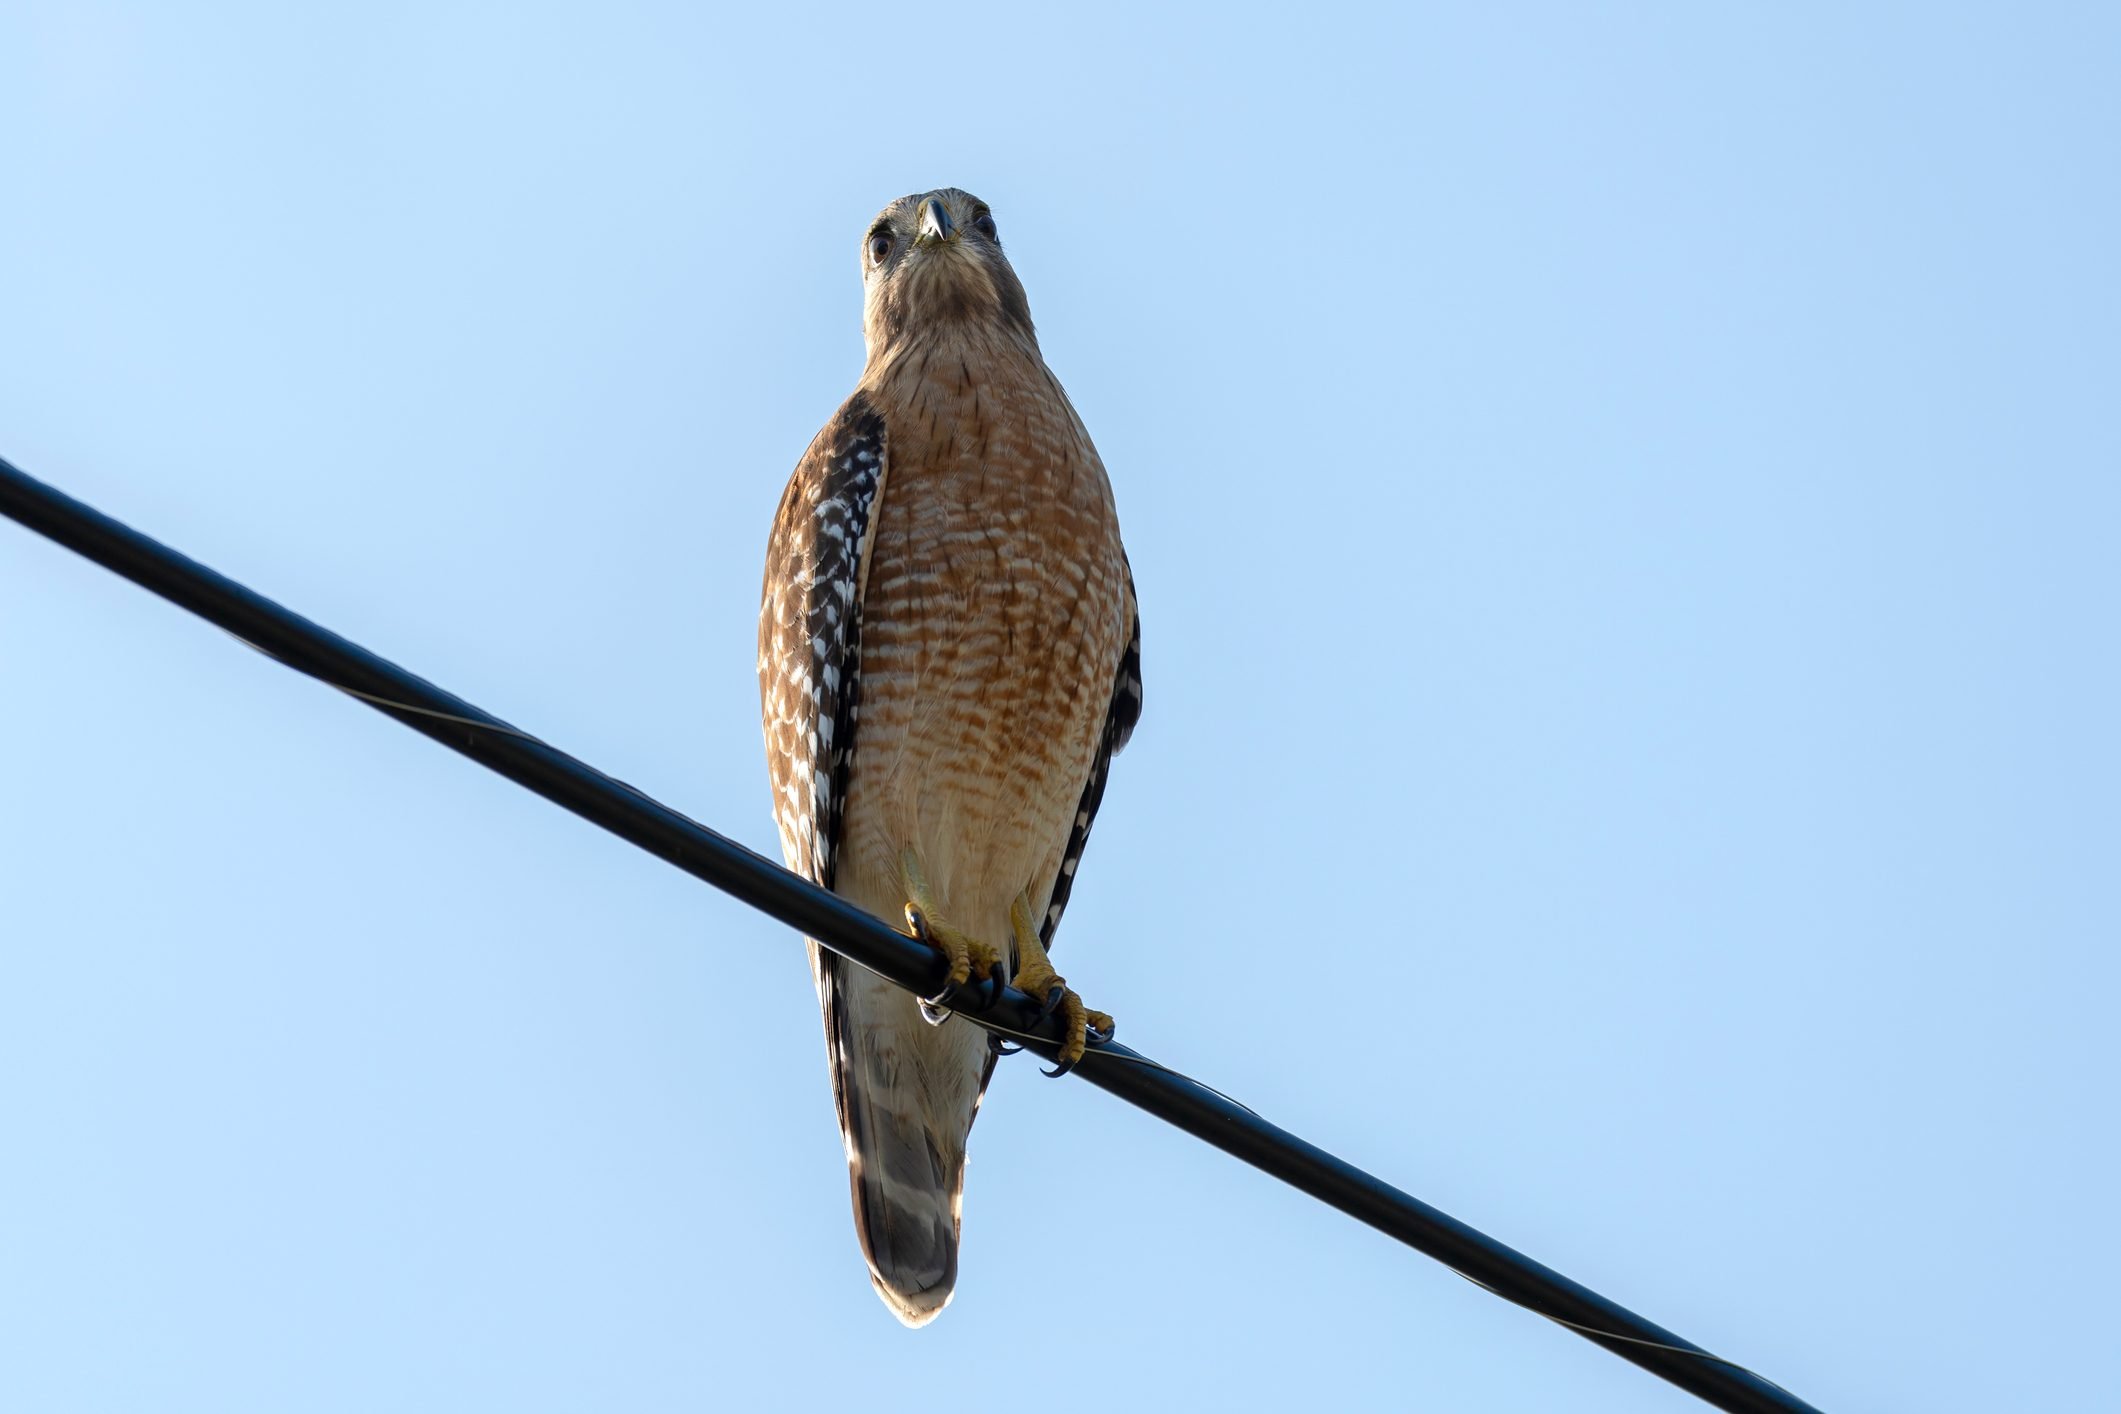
column 932, row 260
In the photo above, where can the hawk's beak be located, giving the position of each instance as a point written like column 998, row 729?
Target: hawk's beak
column 935, row 223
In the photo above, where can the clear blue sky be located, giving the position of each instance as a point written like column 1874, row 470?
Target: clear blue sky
column 1625, row 508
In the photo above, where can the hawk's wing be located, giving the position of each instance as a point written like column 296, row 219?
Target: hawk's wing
column 1120, row 718
column 810, row 634
column 810, row 679
column 810, row 659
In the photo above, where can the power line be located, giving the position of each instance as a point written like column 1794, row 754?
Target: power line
column 847, row 930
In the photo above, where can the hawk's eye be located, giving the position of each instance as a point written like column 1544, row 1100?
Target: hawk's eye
column 879, row 247
column 984, row 224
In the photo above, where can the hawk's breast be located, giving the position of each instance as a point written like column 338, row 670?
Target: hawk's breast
column 993, row 617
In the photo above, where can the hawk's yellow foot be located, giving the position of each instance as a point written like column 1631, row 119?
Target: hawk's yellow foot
column 1035, row 976
column 968, row 956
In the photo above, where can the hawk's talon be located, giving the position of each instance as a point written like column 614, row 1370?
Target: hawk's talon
column 917, row 925
column 959, row 996
column 1055, row 995
column 1001, row 1045
column 940, row 1007
column 1098, row 1030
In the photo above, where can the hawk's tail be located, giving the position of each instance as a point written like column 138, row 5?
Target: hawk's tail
column 906, row 1094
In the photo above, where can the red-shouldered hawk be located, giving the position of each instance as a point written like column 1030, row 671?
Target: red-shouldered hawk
column 949, row 655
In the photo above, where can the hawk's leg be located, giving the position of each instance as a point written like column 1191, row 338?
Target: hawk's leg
column 1035, row 975
column 968, row 956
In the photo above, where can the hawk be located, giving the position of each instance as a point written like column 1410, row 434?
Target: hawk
column 949, row 656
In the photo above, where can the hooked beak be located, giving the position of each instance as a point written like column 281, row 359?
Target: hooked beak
column 935, row 223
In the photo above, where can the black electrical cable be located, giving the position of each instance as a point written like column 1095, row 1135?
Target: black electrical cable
column 847, row 930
